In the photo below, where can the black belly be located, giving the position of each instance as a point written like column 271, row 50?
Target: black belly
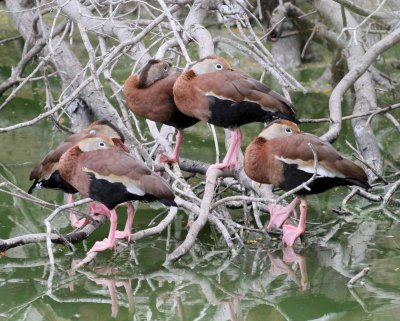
column 227, row 113
column 55, row 181
column 180, row 120
column 295, row 177
column 112, row 194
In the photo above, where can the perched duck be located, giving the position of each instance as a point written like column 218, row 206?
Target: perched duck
column 281, row 156
column 106, row 173
column 46, row 175
column 212, row 91
column 149, row 94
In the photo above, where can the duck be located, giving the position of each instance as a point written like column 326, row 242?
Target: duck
column 45, row 173
column 281, row 155
column 211, row 91
column 149, row 94
column 100, row 169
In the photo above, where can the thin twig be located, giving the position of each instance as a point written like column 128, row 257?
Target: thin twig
column 390, row 192
column 363, row 273
column 48, row 220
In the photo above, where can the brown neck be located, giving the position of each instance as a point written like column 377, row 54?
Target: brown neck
column 68, row 163
column 142, row 83
column 144, row 75
column 252, row 159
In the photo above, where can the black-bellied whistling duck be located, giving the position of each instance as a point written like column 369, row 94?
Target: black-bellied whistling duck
column 213, row 92
column 149, row 94
column 106, row 173
column 281, row 156
column 46, row 175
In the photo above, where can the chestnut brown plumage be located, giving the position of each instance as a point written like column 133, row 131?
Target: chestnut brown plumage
column 281, row 156
column 46, row 175
column 149, row 94
column 212, row 91
column 106, row 173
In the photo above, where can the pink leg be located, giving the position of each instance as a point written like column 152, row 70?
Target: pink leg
column 109, row 242
column 128, row 289
column 174, row 158
column 93, row 209
column 277, row 267
column 177, row 149
column 72, row 215
column 235, row 155
column 231, row 159
column 279, row 214
column 126, row 233
column 113, row 296
column 290, row 232
column 112, row 290
column 290, row 256
column 96, row 208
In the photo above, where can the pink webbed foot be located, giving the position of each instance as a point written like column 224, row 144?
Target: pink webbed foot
column 228, row 165
column 109, row 242
column 277, row 267
column 291, row 234
column 232, row 155
column 231, row 164
column 96, row 208
column 75, row 223
column 123, row 235
column 165, row 159
column 126, row 233
column 279, row 214
column 174, row 158
column 100, row 246
column 290, row 256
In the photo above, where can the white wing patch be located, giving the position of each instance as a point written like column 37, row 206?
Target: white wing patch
column 135, row 190
column 309, row 167
column 132, row 186
column 212, row 94
column 266, row 108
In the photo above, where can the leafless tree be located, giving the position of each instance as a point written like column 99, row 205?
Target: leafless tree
column 112, row 31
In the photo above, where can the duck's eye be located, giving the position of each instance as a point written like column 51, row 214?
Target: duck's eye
column 288, row 130
column 92, row 131
column 102, row 144
column 219, row 67
column 166, row 68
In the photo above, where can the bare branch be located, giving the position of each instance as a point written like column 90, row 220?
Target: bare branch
column 355, row 72
column 201, row 220
column 74, row 237
column 365, row 12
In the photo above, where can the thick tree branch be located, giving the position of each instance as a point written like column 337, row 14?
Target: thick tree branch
column 358, row 69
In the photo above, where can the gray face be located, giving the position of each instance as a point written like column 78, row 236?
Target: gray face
column 209, row 65
column 158, row 71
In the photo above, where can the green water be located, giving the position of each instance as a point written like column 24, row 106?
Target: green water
column 262, row 282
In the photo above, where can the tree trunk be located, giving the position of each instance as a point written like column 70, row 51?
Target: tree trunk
column 363, row 86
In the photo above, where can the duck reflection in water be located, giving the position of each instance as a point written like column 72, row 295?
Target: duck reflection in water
column 280, row 267
column 169, row 287
column 107, row 275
